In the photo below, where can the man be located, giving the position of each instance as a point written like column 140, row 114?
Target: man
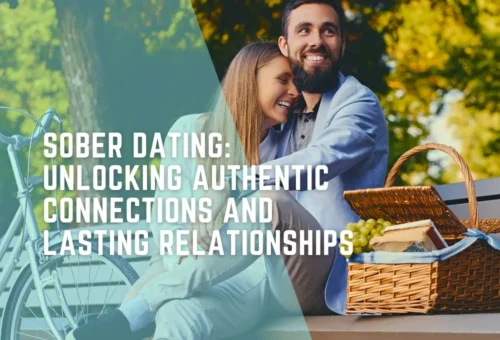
column 340, row 124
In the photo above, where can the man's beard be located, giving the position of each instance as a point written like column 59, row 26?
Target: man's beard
column 320, row 80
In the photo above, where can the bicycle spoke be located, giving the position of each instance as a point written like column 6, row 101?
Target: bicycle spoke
column 95, row 276
column 88, row 295
column 76, row 281
column 59, row 315
column 36, row 318
column 79, row 312
column 114, row 290
column 32, row 312
column 106, row 298
column 34, row 337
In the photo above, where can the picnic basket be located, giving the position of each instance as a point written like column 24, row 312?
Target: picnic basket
column 467, row 282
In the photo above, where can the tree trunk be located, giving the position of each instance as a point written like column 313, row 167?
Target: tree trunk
column 81, row 24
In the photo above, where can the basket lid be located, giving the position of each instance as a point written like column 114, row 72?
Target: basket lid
column 406, row 204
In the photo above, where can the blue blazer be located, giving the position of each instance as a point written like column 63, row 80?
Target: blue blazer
column 350, row 137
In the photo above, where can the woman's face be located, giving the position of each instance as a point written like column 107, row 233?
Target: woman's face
column 277, row 93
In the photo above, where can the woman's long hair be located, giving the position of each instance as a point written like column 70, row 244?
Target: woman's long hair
column 236, row 112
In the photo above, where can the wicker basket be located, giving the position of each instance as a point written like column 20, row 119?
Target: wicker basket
column 466, row 282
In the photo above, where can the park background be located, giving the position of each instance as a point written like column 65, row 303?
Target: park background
column 138, row 65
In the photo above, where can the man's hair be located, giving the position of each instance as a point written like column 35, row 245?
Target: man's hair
column 293, row 4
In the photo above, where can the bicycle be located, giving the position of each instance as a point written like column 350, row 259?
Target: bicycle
column 48, row 276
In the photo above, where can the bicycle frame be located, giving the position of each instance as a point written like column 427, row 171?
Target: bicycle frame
column 32, row 241
column 16, row 252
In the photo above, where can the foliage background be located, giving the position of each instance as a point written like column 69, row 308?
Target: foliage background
column 129, row 66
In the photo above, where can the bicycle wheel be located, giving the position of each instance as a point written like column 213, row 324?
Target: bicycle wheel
column 92, row 286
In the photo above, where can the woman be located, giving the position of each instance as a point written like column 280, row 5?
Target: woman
column 257, row 94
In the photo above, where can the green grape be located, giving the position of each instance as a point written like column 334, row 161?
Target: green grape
column 356, row 234
column 363, row 241
column 380, row 221
column 358, row 250
column 377, row 234
column 355, row 242
column 368, row 248
column 369, row 237
column 350, row 238
column 381, row 232
column 374, row 231
column 371, row 221
column 387, row 224
column 361, row 223
column 364, row 231
column 352, row 227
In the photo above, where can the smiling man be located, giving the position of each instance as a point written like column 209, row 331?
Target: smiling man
column 338, row 122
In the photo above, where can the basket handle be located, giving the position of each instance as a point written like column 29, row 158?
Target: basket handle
column 469, row 181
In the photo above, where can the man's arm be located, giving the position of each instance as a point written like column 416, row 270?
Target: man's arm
column 348, row 139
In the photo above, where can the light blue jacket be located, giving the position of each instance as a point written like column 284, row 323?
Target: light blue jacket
column 351, row 138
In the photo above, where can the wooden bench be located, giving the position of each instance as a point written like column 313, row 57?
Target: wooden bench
column 477, row 326
column 429, row 327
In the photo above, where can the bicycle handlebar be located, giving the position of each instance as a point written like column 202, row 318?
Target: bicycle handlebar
column 43, row 125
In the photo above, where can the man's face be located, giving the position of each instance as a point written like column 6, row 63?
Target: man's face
column 314, row 46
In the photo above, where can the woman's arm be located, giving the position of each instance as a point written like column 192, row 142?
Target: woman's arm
column 186, row 124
